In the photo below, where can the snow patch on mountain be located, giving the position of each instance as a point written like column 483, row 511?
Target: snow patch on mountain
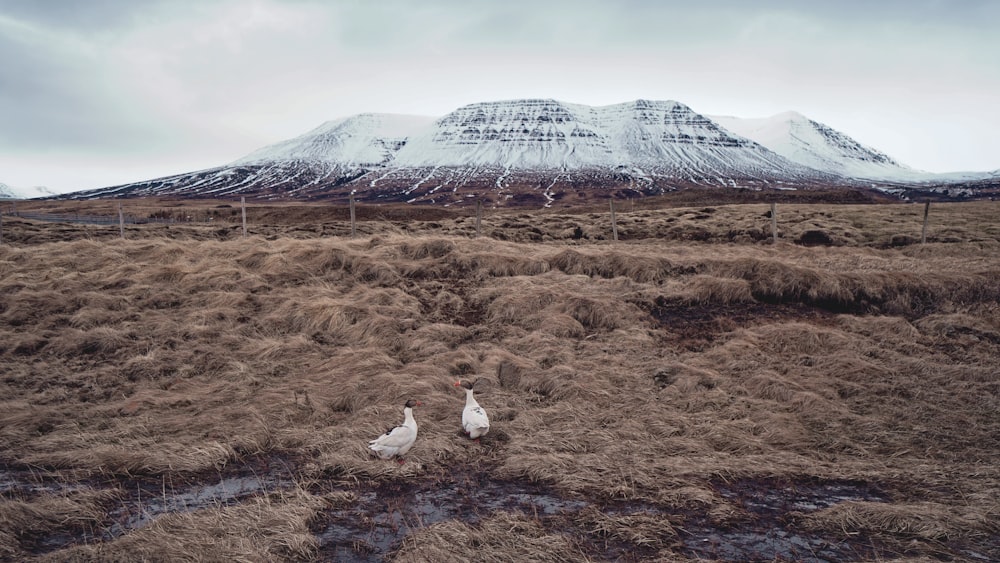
column 665, row 138
column 367, row 139
column 813, row 144
column 818, row 146
column 10, row 192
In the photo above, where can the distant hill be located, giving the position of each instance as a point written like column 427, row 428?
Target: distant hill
column 9, row 192
column 542, row 152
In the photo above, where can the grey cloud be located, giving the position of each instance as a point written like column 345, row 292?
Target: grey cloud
column 82, row 16
column 48, row 101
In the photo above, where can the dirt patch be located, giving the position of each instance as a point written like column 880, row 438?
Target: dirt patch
column 694, row 326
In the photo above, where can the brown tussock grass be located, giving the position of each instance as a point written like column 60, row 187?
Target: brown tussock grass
column 22, row 519
column 709, row 289
column 502, row 537
column 644, row 531
column 901, row 523
column 157, row 356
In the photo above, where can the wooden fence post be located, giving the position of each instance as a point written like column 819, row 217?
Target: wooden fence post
column 354, row 228
column 479, row 217
column 614, row 223
column 774, row 223
column 243, row 206
column 923, row 231
column 121, row 220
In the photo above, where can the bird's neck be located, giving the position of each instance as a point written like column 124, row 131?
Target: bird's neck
column 408, row 419
column 470, row 401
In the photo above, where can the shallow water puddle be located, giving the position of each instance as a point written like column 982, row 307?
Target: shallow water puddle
column 141, row 500
column 7, row 482
column 768, row 496
column 772, row 545
column 380, row 516
column 147, row 502
column 377, row 522
column 768, row 534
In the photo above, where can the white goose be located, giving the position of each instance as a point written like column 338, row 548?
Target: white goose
column 397, row 441
column 475, row 421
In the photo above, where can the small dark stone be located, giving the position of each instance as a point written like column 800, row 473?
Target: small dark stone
column 814, row 238
column 665, row 377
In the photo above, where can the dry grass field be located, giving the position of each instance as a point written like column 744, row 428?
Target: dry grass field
column 689, row 392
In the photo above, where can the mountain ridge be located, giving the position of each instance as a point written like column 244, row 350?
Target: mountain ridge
column 537, row 151
column 10, row 192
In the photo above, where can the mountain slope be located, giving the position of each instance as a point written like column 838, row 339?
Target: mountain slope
column 812, row 144
column 537, row 152
column 648, row 146
column 10, row 192
column 664, row 138
column 367, row 139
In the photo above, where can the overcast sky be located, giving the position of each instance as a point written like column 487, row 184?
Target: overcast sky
column 102, row 92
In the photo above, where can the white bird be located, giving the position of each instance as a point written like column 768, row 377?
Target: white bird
column 475, row 421
column 398, row 440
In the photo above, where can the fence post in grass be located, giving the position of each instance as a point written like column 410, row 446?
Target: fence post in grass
column 479, row 217
column 354, row 228
column 614, row 223
column 774, row 223
column 121, row 220
column 923, row 231
column 243, row 207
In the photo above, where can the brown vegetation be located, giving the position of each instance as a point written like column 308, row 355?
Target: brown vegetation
column 653, row 393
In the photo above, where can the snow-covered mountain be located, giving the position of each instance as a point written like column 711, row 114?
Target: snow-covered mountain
column 536, row 151
column 10, row 192
column 820, row 147
column 810, row 143
column 661, row 138
column 367, row 139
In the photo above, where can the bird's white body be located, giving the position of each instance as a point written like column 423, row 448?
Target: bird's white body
column 475, row 421
column 397, row 441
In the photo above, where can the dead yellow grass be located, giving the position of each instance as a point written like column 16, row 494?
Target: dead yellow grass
column 504, row 537
column 638, row 371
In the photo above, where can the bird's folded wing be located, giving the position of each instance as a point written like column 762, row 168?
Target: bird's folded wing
column 475, row 418
column 396, row 437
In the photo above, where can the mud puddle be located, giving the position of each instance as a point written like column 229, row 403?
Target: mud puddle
column 375, row 525
column 21, row 483
column 148, row 500
column 696, row 325
column 767, row 534
column 137, row 501
column 381, row 517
